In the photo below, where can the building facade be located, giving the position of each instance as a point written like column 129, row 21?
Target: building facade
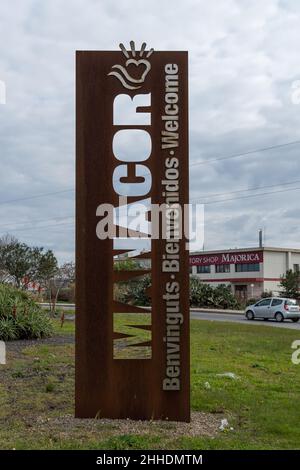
column 249, row 271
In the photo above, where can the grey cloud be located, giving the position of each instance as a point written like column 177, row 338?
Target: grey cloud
column 243, row 60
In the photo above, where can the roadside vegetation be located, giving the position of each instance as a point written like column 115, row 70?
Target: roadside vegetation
column 206, row 296
column 239, row 373
column 33, row 269
column 202, row 294
column 21, row 317
column 136, row 291
column 258, row 398
column 290, row 284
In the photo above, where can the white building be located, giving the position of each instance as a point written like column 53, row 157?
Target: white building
column 249, row 271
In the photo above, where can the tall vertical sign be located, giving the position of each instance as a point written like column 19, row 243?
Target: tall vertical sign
column 132, row 150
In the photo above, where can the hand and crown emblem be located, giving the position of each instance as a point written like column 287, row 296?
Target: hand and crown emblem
column 136, row 59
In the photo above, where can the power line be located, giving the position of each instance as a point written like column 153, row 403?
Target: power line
column 255, row 188
column 193, row 199
column 210, row 202
column 250, row 152
column 39, row 228
column 250, row 195
column 37, row 221
column 36, row 196
column 203, row 162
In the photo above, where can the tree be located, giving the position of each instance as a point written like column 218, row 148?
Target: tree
column 23, row 264
column 47, row 268
column 4, row 241
column 67, row 271
column 17, row 261
column 290, row 283
column 47, row 271
column 63, row 276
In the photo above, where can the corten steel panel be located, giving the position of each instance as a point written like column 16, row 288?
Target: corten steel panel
column 106, row 387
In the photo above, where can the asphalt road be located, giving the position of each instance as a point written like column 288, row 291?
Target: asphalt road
column 200, row 315
column 58, row 305
column 227, row 317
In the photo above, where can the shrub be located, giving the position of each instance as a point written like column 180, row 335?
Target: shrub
column 224, row 298
column 267, row 293
column 139, row 295
column 133, row 292
column 67, row 294
column 126, row 265
column 8, row 329
column 201, row 295
column 251, row 301
column 21, row 317
column 204, row 295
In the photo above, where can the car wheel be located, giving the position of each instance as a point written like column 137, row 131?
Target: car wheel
column 249, row 315
column 295, row 320
column 279, row 317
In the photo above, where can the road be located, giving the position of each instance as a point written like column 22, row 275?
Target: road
column 201, row 315
column 227, row 317
column 58, row 305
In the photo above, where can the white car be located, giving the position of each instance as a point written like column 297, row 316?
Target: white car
column 278, row 308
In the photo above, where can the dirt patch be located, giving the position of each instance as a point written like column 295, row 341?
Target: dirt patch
column 17, row 347
column 202, row 424
column 37, row 400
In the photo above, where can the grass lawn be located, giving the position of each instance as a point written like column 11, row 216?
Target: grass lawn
column 262, row 405
column 59, row 310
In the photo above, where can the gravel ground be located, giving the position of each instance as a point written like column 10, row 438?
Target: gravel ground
column 202, row 424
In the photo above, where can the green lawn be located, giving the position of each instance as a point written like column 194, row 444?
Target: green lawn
column 262, row 405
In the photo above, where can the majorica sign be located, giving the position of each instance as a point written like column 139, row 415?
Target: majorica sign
column 132, row 151
column 248, row 257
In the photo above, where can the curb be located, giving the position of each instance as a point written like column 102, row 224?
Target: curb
column 221, row 311
column 192, row 309
column 46, row 304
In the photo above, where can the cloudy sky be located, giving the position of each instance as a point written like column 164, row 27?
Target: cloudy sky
column 244, row 63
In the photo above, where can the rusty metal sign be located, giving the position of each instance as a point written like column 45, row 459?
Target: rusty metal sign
column 131, row 148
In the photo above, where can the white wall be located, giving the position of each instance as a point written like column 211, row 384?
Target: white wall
column 275, row 264
column 295, row 259
column 272, row 286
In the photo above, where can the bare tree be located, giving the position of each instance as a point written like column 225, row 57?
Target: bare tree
column 64, row 276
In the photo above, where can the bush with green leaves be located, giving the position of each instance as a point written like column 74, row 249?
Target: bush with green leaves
column 66, row 294
column 250, row 301
column 134, row 292
column 20, row 316
column 265, row 294
column 204, row 295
